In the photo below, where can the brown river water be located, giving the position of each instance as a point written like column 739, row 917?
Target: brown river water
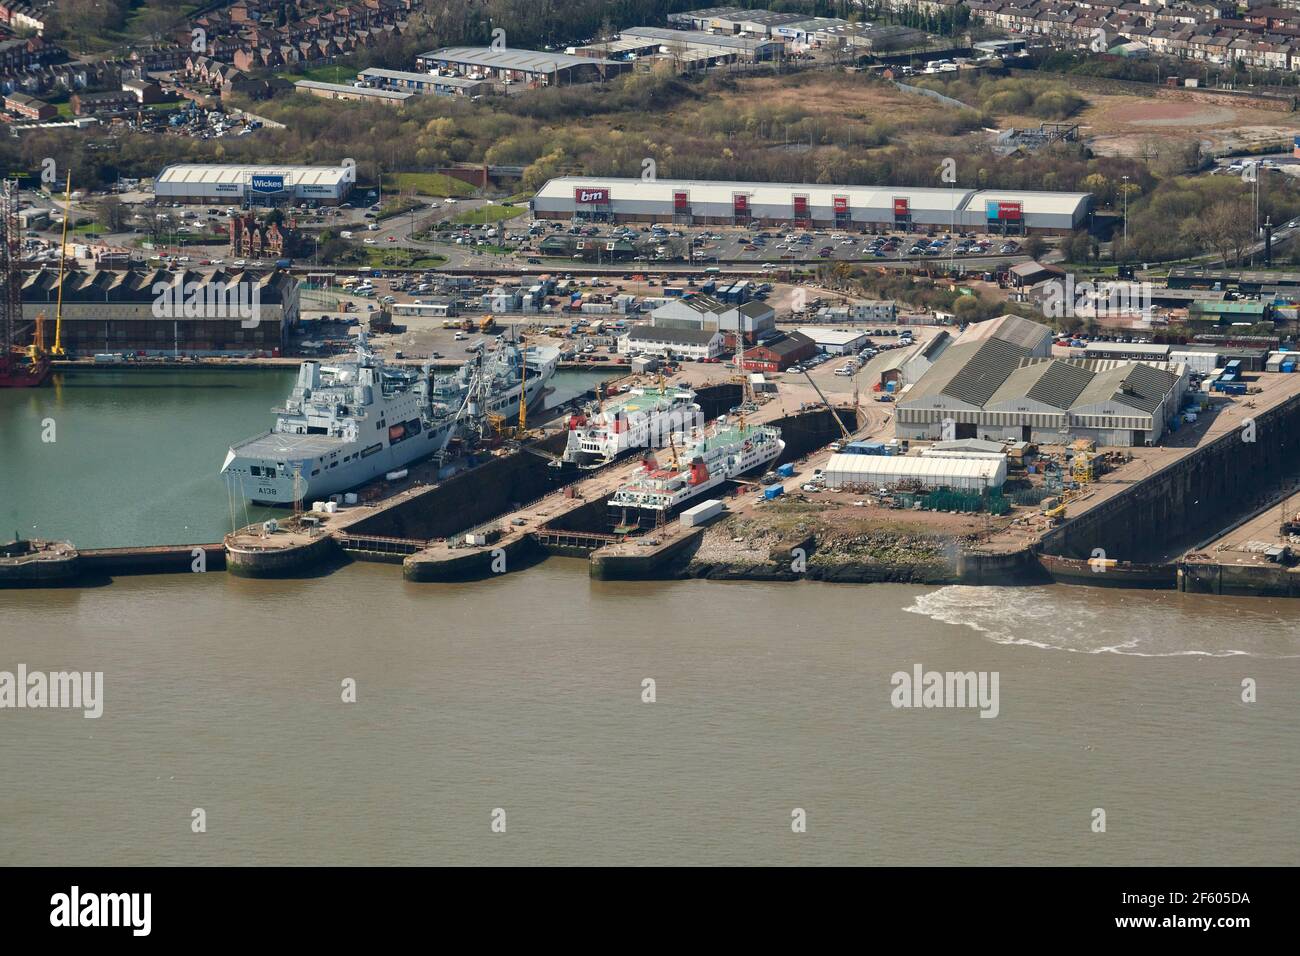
column 524, row 693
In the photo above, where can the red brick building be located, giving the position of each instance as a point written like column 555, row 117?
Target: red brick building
column 777, row 355
column 248, row 237
column 29, row 107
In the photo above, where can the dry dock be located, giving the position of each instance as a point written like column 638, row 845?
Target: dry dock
column 1203, row 512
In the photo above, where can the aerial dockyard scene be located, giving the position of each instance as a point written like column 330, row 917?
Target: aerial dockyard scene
column 667, row 430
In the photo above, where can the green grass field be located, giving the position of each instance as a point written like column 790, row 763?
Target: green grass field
column 486, row 214
column 426, row 184
column 400, row 259
column 396, row 207
column 327, row 73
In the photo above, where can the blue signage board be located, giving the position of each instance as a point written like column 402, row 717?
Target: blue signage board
column 268, row 184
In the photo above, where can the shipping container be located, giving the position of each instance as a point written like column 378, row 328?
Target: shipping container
column 1230, row 388
column 773, row 491
column 699, row 514
column 864, row 448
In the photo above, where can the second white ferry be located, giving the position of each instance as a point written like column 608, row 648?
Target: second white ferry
column 642, row 417
column 729, row 451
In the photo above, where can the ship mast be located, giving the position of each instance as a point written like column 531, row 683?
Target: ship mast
column 523, row 391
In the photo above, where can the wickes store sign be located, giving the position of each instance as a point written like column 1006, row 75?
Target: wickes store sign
column 268, row 184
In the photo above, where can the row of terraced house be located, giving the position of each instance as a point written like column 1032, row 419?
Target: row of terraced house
column 252, row 35
column 1209, row 32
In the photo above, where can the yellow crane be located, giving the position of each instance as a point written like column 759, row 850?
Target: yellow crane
column 57, row 349
column 37, row 348
column 523, row 391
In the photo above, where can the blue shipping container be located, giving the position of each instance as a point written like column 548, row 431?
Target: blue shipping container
column 773, row 491
column 786, row 470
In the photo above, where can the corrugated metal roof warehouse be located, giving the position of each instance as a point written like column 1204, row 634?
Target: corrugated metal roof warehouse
column 721, row 202
column 270, row 183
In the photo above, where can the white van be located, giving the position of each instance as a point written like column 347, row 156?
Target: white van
column 345, row 235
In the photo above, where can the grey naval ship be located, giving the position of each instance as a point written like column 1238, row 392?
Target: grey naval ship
column 348, row 422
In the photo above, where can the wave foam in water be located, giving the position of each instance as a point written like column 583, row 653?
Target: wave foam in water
column 1135, row 623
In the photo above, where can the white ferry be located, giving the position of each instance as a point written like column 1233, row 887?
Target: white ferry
column 643, row 417
column 730, row 451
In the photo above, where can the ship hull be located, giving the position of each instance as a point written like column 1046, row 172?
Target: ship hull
column 346, row 477
column 349, row 424
column 590, row 446
column 598, row 444
column 649, row 517
column 24, row 375
column 1120, row 575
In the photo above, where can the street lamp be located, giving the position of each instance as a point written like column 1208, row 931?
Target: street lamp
column 1124, row 189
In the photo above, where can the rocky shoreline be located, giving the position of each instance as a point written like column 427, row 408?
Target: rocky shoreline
column 741, row 549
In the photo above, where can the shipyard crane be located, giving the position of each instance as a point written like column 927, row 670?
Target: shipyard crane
column 20, row 366
column 57, row 348
column 843, row 431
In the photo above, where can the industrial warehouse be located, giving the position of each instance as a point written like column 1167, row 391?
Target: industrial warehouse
column 255, row 185
column 998, row 381
column 202, row 313
column 857, row 471
column 687, row 202
column 529, row 67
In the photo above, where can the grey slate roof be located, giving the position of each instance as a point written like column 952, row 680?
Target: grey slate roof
column 1057, row 384
column 970, row 372
column 1137, row 386
column 653, row 333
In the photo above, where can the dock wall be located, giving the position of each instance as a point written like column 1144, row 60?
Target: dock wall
column 656, row 563
column 296, row 561
column 1251, row 580
column 153, row 560
column 1190, row 499
column 472, row 563
column 472, row 497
